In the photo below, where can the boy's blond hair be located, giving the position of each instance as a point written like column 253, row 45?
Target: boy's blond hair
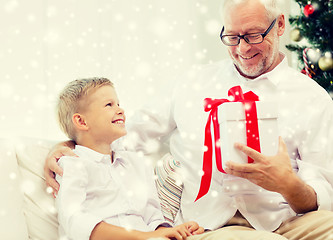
column 69, row 101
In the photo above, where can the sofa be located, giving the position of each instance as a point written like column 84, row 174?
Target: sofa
column 27, row 209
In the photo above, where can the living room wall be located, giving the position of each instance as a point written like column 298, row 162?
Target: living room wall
column 140, row 45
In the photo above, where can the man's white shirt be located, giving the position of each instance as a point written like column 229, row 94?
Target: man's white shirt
column 305, row 120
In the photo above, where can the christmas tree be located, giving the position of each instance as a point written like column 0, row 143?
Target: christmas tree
column 312, row 34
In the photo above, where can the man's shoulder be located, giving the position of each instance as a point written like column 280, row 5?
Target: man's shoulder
column 304, row 86
column 215, row 66
column 299, row 77
column 204, row 72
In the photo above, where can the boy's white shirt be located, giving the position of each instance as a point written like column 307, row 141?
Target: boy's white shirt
column 93, row 189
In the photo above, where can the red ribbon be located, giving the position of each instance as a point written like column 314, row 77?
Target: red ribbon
column 252, row 132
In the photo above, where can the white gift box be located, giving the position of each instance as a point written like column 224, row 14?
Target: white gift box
column 231, row 116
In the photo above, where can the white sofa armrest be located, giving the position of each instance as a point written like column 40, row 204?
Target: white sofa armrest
column 12, row 221
column 38, row 204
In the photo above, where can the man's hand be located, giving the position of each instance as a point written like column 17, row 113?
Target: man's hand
column 275, row 173
column 51, row 167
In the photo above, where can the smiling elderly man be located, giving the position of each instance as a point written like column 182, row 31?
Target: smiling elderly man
column 285, row 196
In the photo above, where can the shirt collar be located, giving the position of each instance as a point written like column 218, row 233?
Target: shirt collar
column 118, row 158
column 271, row 75
column 90, row 154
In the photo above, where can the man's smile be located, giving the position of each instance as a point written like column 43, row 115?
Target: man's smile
column 248, row 57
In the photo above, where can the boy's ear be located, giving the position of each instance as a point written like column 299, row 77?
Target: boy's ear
column 79, row 122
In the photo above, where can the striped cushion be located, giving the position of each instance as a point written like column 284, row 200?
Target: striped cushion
column 169, row 186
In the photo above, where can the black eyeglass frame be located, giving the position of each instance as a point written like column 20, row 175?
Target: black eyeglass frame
column 263, row 35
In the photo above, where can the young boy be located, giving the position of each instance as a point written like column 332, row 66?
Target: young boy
column 105, row 194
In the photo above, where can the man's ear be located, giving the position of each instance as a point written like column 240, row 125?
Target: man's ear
column 281, row 24
column 79, row 122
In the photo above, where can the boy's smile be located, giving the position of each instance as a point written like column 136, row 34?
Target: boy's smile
column 119, row 121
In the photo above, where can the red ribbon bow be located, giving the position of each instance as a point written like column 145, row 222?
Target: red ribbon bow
column 252, row 133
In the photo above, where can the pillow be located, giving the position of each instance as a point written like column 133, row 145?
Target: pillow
column 13, row 225
column 38, row 205
column 169, row 186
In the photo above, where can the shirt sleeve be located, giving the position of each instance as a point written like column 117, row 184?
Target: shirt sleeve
column 151, row 123
column 316, row 163
column 75, row 222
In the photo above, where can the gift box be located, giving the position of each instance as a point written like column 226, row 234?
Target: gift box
column 242, row 118
column 232, row 121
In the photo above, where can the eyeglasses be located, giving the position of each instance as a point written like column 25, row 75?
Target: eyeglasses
column 253, row 38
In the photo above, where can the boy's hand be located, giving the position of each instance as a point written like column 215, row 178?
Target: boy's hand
column 194, row 227
column 179, row 232
column 51, row 167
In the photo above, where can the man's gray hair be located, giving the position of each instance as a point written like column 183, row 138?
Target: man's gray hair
column 272, row 6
